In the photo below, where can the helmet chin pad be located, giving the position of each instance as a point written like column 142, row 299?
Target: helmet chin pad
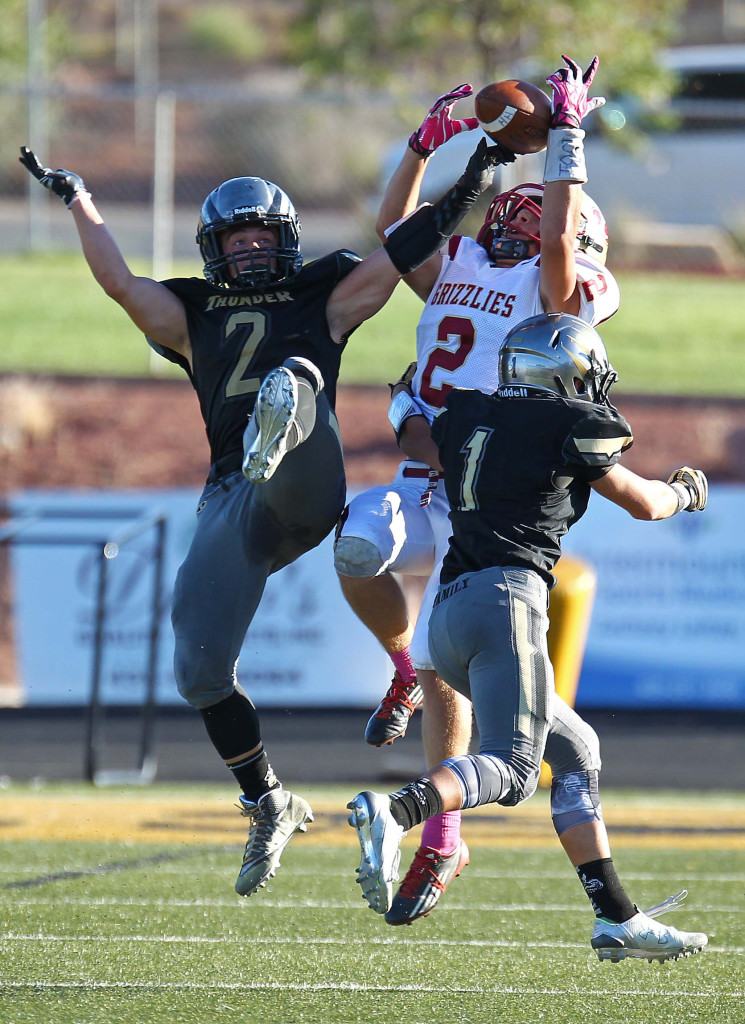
column 511, row 248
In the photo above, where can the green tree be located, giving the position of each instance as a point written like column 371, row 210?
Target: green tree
column 415, row 47
column 14, row 38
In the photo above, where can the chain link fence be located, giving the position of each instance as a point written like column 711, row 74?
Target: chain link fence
column 151, row 161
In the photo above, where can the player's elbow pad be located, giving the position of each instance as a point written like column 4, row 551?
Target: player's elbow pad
column 425, row 232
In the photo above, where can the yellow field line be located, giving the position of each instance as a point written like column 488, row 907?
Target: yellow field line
column 212, row 819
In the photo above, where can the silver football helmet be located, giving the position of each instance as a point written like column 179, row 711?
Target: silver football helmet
column 560, row 353
column 248, row 201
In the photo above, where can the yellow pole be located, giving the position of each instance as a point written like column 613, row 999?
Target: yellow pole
column 570, row 612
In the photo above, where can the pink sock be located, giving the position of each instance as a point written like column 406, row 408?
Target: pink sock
column 442, row 832
column 402, row 663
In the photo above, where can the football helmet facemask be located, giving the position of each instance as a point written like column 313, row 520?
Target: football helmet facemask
column 560, row 353
column 255, row 202
column 504, row 239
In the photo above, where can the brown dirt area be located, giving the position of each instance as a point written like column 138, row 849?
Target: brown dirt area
column 123, row 433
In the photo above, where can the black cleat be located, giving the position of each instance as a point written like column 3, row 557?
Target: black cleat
column 391, row 719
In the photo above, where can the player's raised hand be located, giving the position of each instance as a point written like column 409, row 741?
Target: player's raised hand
column 64, row 184
column 484, row 159
column 438, row 126
column 692, row 486
column 570, row 87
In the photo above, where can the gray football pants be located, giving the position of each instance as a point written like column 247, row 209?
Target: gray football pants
column 244, row 533
column 487, row 639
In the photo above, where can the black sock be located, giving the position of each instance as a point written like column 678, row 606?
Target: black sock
column 604, row 890
column 415, row 803
column 255, row 775
column 233, row 727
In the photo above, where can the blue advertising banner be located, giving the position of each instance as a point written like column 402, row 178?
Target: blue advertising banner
column 305, row 646
column 668, row 626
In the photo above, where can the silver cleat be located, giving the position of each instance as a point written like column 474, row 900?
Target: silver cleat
column 644, row 938
column 275, row 819
column 379, row 835
column 265, row 438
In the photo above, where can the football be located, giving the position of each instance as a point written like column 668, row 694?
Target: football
column 515, row 114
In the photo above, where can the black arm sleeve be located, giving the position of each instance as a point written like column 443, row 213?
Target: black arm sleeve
column 425, row 232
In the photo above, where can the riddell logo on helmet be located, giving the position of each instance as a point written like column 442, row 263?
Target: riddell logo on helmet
column 249, row 209
column 510, row 391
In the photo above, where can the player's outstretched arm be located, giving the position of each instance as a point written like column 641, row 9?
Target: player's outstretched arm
column 369, row 286
column 687, row 489
column 438, row 127
column 155, row 310
column 402, row 193
column 564, row 175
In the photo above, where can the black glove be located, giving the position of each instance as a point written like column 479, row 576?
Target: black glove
column 485, row 158
column 406, row 377
column 64, row 184
column 692, row 488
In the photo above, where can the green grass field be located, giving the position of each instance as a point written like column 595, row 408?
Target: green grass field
column 118, row 906
column 674, row 334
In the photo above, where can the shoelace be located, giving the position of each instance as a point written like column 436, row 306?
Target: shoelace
column 671, row 903
column 259, row 829
column 421, row 867
column 398, row 694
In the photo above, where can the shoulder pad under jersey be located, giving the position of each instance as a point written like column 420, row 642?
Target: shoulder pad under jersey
column 598, row 439
column 191, row 287
column 465, row 251
column 337, row 263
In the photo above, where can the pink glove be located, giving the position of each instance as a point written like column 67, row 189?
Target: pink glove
column 438, row 127
column 570, row 87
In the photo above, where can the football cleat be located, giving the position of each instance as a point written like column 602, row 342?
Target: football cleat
column 275, row 819
column 391, row 718
column 426, row 880
column 380, row 835
column 644, row 938
column 271, row 426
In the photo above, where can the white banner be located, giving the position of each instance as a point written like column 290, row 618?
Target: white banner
column 305, row 646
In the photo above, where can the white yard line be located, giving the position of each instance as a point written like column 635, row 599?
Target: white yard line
column 273, row 904
column 323, row 941
column 247, row 986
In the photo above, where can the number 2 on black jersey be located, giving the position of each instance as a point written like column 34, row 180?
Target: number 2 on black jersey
column 257, row 322
column 474, row 450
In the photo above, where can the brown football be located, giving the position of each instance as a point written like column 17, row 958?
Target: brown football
column 516, row 114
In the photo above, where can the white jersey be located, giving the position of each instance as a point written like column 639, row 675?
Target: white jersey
column 469, row 312
column 473, row 306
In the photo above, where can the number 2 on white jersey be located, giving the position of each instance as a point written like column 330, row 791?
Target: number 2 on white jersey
column 448, row 359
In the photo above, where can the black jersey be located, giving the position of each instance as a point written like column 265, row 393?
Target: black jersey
column 518, row 466
column 238, row 337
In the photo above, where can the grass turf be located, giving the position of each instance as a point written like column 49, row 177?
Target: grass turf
column 138, row 931
column 674, row 333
